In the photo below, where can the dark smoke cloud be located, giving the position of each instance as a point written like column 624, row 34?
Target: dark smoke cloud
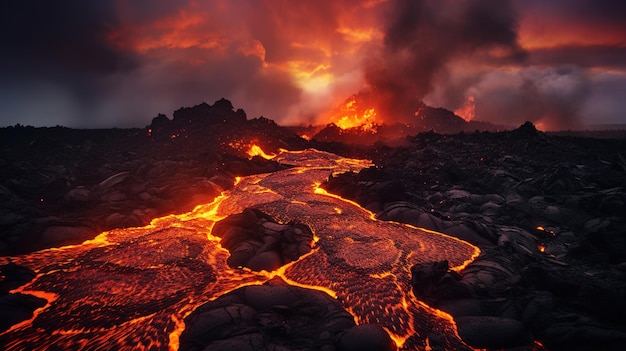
column 613, row 56
column 105, row 63
column 50, row 40
column 549, row 97
column 610, row 12
column 56, row 58
column 423, row 36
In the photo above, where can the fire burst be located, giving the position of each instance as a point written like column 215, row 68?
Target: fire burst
column 351, row 115
column 468, row 110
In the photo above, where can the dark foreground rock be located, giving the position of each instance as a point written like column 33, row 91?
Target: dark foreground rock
column 257, row 241
column 16, row 307
column 548, row 214
column 61, row 186
column 277, row 316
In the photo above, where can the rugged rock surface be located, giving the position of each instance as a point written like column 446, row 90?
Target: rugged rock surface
column 257, row 241
column 62, row 186
column 546, row 211
column 277, row 316
column 548, row 214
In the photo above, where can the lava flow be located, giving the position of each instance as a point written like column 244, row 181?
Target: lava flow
column 130, row 289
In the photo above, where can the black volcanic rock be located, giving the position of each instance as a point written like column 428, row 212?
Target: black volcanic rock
column 17, row 308
column 258, row 242
column 63, row 186
column 547, row 213
column 218, row 127
column 272, row 316
column 439, row 120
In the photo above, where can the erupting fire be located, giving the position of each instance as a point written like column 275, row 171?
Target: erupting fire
column 251, row 149
column 132, row 288
column 351, row 115
column 468, row 110
column 255, row 150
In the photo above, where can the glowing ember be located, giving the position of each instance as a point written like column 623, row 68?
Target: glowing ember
column 132, row 288
column 468, row 110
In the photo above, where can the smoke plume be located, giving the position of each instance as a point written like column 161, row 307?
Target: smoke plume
column 423, row 36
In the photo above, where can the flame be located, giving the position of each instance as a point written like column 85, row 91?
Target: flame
column 351, row 115
column 468, row 110
column 255, row 150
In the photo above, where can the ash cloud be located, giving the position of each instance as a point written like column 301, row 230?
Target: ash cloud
column 106, row 63
column 550, row 97
column 423, row 36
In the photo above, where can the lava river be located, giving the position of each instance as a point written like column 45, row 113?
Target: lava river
column 130, row 289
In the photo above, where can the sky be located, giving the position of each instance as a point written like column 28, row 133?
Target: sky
column 118, row 63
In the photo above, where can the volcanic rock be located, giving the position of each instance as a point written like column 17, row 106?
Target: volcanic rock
column 270, row 317
column 433, row 282
column 14, row 276
column 366, row 337
column 256, row 241
column 492, row 332
column 17, row 307
column 547, row 213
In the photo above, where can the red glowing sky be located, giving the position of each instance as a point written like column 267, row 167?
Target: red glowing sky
column 119, row 63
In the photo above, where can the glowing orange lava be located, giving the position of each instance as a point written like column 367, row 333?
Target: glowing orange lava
column 350, row 115
column 130, row 289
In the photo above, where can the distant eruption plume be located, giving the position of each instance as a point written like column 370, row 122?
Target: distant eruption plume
column 117, row 63
column 423, row 36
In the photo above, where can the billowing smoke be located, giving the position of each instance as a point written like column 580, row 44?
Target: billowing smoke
column 549, row 97
column 105, row 63
column 423, row 36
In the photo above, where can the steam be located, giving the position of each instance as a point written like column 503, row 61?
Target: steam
column 423, row 36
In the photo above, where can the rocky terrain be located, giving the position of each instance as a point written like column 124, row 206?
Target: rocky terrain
column 547, row 212
column 61, row 186
column 548, row 215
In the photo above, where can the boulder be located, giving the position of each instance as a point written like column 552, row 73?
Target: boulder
column 488, row 332
column 366, row 337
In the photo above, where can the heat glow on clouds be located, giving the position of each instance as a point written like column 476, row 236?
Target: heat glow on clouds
column 119, row 63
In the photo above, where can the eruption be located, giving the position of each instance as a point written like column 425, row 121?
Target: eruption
column 358, row 111
column 468, row 110
column 421, row 39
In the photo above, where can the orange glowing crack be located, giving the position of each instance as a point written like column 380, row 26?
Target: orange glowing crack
column 132, row 288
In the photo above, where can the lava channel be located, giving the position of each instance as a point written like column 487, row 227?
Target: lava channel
column 130, row 289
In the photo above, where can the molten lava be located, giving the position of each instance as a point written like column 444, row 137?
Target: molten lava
column 255, row 150
column 130, row 289
column 351, row 115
